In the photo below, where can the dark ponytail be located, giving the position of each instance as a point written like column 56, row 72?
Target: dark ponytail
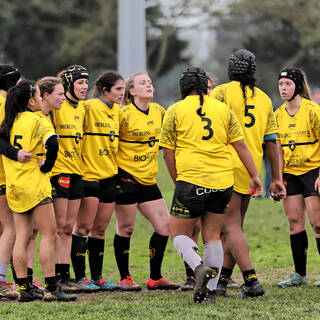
column 245, row 80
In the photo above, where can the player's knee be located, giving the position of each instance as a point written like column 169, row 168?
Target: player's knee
column 125, row 229
column 316, row 228
column 294, row 224
column 97, row 233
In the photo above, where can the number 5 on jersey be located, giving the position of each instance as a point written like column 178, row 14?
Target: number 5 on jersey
column 16, row 143
column 247, row 113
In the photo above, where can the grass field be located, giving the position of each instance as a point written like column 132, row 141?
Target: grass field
column 267, row 234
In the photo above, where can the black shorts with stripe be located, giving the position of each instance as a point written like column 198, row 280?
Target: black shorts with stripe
column 105, row 189
column 131, row 191
column 68, row 186
column 192, row 201
column 302, row 184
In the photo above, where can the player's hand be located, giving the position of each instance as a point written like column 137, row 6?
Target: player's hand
column 24, row 155
column 277, row 191
column 40, row 162
column 317, row 185
column 256, row 188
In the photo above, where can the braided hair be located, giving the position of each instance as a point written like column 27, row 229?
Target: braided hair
column 194, row 79
column 241, row 67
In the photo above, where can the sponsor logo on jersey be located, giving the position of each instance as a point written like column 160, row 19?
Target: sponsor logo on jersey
column 67, row 126
column 201, row 191
column 140, row 133
column 112, row 136
column 102, row 125
column 72, row 154
column 150, row 156
column 77, row 137
column 152, row 141
column 64, row 182
column 106, row 152
column 77, row 118
column 296, row 162
column 292, row 125
column 292, row 145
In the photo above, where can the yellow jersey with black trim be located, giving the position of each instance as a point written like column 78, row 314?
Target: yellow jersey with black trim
column 100, row 140
column 201, row 144
column 69, row 126
column 49, row 119
column 299, row 137
column 26, row 185
column 138, row 148
column 2, row 114
column 256, row 118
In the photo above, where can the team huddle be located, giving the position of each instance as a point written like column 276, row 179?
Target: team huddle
column 69, row 163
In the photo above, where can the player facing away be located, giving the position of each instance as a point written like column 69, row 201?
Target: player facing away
column 253, row 109
column 196, row 138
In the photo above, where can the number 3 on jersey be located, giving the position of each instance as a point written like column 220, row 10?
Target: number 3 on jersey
column 247, row 113
column 208, row 128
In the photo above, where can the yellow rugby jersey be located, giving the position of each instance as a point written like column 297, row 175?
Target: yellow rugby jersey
column 2, row 113
column 47, row 117
column 256, row 118
column 26, row 184
column 201, row 144
column 44, row 150
column 69, row 126
column 100, row 140
column 138, row 148
column 299, row 137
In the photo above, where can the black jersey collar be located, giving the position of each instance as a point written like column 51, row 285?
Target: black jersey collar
column 145, row 112
column 72, row 102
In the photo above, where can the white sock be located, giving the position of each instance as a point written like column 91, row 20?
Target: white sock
column 187, row 250
column 213, row 257
column 3, row 272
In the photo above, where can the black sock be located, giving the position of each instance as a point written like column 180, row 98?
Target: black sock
column 30, row 275
column 78, row 256
column 121, row 251
column 157, row 246
column 189, row 271
column 51, row 283
column 249, row 277
column 58, row 271
column 318, row 244
column 299, row 246
column 14, row 275
column 64, row 272
column 23, row 283
column 96, row 252
column 225, row 276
